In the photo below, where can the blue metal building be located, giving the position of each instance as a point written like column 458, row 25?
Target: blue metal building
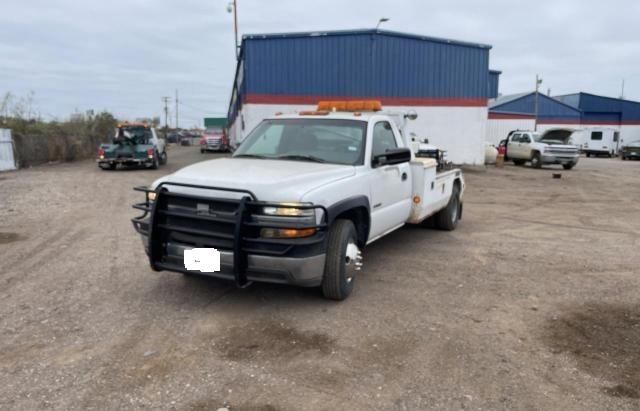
column 550, row 110
column 494, row 83
column 397, row 68
column 447, row 81
column 602, row 110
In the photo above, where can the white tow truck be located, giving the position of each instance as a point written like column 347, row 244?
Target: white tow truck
column 300, row 199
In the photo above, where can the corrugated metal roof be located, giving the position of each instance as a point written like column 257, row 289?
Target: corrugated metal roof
column 548, row 107
column 360, row 32
column 506, row 99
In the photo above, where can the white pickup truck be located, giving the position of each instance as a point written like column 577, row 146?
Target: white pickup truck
column 541, row 148
column 299, row 200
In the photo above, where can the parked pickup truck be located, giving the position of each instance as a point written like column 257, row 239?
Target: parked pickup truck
column 133, row 145
column 300, row 199
column 547, row 148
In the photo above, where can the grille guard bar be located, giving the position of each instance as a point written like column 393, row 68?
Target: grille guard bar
column 246, row 206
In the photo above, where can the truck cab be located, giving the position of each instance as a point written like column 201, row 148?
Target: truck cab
column 299, row 200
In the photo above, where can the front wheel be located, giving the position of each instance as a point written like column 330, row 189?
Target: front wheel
column 536, row 161
column 447, row 218
column 568, row 166
column 518, row 162
column 163, row 158
column 588, row 154
column 156, row 162
column 343, row 260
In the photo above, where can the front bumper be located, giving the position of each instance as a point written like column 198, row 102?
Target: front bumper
column 176, row 222
column 299, row 271
column 213, row 147
column 125, row 161
column 549, row 158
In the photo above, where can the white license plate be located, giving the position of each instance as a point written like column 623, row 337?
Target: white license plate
column 205, row 260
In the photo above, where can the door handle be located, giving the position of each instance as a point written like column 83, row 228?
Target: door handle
column 404, row 176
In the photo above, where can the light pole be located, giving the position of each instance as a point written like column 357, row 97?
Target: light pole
column 538, row 83
column 232, row 7
column 382, row 20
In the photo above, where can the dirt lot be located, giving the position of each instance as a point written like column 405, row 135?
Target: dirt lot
column 532, row 303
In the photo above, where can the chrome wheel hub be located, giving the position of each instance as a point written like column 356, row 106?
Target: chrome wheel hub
column 352, row 261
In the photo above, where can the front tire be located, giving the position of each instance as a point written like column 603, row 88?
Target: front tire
column 156, row 162
column 588, row 154
column 568, row 166
column 343, row 260
column 536, row 161
column 164, row 158
column 518, row 162
column 447, row 218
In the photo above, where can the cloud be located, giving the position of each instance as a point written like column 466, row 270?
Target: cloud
column 124, row 55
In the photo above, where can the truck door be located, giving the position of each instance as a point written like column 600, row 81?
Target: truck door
column 524, row 146
column 513, row 146
column 390, row 185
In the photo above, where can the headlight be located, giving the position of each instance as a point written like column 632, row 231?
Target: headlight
column 151, row 196
column 290, row 210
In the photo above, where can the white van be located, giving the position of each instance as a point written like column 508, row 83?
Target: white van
column 601, row 141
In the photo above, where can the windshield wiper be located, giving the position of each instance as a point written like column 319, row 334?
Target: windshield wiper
column 249, row 156
column 301, row 157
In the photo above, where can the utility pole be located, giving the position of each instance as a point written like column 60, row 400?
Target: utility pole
column 177, row 108
column 538, row 83
column 233, row 7
column 166, row 100
column 622, row 92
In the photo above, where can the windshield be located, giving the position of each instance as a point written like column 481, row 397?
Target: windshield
column 132, row 135
column 310, row 139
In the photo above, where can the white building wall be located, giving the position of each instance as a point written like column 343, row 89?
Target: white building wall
column 460, row 131
column 499, row 129
column 629, row 133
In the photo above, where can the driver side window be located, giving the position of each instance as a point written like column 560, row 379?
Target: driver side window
column 525, row 139
column 269, row 142
column 383, row 138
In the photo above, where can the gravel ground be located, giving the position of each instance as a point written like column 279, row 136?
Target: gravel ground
column 531, row 304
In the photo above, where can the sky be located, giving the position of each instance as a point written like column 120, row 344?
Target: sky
column 125, row 55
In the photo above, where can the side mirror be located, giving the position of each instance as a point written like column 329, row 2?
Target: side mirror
column 392, row 156
column 411, row 115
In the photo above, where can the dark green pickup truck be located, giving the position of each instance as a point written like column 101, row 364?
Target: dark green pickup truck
column 133, row 145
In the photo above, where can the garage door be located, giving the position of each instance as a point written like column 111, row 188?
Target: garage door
column 7, row 162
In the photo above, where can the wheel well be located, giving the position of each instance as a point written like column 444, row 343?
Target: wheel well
column 361, row 220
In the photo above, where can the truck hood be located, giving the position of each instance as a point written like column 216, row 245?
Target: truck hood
column 269, row 180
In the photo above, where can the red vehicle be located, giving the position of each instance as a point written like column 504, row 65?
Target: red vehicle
column 214, row 139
